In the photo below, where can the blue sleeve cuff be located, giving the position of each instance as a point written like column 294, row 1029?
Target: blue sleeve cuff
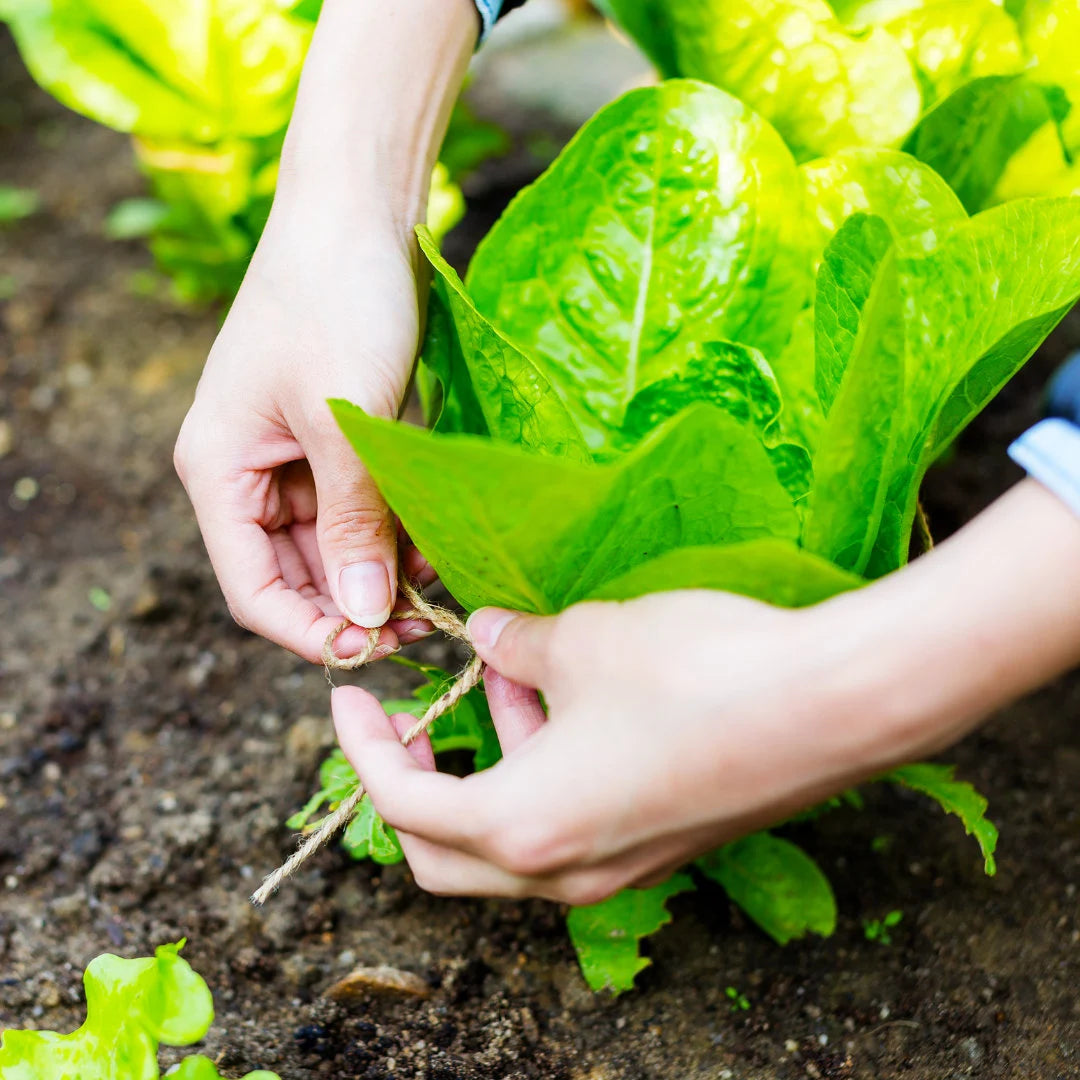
column 489, row 13
column 1050, row 453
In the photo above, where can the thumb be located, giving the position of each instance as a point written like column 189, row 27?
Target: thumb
column 357, row 534
column 517, row 646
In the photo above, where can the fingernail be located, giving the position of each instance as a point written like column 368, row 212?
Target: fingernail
column 383, row 651
column 486, row 625
column 365, row 593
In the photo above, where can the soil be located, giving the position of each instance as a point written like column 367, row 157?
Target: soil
column 150, row 751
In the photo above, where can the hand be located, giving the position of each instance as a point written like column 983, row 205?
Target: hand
column 676, row 722
column 682, row 720
column 296, row 529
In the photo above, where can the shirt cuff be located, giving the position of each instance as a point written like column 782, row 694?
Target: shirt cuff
column 1050, row 453
column 489, row 13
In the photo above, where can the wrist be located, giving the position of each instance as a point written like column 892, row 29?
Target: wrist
column 925, row 654
column 374, row 101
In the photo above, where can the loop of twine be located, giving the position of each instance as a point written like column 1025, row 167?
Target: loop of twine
column 419, row 608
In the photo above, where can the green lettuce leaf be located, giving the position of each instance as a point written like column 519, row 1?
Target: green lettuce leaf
column 972, row 136
column 606, row 936
column 954, row 797
column 132, row 1006
column 976, row 308
column 539, row 533
column 670, row 221
column 950, row 42
column 823, row 87
column 859, row 377
column 775, row 571
column 912, row 199
column 517, row 402
column 776, row 883
column 367, row 836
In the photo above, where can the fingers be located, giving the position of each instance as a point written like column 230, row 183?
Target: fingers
column 261, row 600
column 357, row 533
column 515, row 710
column 408, row 795
column 519, row 646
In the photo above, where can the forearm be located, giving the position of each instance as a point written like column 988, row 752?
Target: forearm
column 378, row 86
column 989, row 615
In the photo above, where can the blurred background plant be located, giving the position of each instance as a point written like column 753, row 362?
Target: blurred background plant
column 980, row 90
column 205, row 88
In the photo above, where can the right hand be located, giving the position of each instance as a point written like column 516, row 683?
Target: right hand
column 297, row 531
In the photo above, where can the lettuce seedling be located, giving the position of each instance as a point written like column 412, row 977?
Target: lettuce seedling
column 682, row 360
column 132, row 1007
column 978, row 90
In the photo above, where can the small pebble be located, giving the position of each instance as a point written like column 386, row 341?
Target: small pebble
column 382, row 980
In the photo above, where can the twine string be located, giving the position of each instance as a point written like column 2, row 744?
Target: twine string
column 419, row 608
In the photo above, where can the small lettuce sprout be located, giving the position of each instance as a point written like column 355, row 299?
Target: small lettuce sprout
column 132, row 1007
column 878, row 929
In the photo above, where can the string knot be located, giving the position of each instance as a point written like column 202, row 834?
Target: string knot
column 419, row 608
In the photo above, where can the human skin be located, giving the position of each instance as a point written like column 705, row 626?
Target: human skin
column 680, row 721
column 296, row 529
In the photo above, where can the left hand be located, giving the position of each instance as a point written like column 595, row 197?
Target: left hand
column 676, row 722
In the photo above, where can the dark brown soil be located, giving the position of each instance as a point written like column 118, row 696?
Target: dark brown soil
column 150, row 752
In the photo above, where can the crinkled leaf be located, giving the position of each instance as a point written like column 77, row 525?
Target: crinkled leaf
column 976, row 308
column 672, row 219
column 954, row 797
column 776, row 883
column 860, row 382
column 539, row 533
column 971, row 137
column 950, row 42
column 823, row 87
column 606, row 936
column 916, row 204
column 131, row 1007
column 518, row 403
column 731, row 376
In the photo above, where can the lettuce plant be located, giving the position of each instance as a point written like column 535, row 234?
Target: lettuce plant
column 132, row 1007
column 682, row 360
column 979, row 90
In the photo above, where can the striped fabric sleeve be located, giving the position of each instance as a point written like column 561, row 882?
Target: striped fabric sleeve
column 1050, row 451
column 491, row 11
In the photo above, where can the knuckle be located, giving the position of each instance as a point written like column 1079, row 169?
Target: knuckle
column 343, row 525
